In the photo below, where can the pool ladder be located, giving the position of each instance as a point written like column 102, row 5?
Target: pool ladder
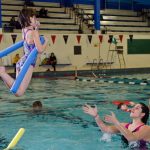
column 100, row 65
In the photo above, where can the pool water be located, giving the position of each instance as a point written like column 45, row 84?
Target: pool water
column 62, row 125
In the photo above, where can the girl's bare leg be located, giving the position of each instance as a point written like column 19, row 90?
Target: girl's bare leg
column 6, row 77
column 9, row 80
column 25, row 82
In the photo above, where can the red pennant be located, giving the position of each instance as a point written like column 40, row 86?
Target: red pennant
column 14, row 36
column 121, row 38
column 78, row 38
column 1, row 35
column 53, row 37
column 101, row 38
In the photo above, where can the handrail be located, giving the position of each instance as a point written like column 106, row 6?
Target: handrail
column 99, row 63
column 93, row 63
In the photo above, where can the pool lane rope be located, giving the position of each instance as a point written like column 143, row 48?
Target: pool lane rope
column 32, row 56
column 16, row 139
column 130, row 81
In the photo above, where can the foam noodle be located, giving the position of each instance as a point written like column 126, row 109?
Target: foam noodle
column 32, row 56
column 11, row 49
column 16, row 139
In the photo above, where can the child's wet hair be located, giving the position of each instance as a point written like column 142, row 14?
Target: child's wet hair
column 24, row 17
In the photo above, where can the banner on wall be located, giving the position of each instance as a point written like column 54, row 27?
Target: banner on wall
column 78, row 38
column 65, row 38
column 90, row 38
column 121, row 38
column 101, row 38
column 14, row 36
column 53, row 37
column 1, row 35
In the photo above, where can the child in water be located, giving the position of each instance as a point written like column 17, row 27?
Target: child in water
column 31, row 39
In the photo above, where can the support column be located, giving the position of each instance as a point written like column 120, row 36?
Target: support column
column 97, row 15
column 0, row 16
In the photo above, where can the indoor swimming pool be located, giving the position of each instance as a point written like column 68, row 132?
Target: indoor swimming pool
column 62, row 125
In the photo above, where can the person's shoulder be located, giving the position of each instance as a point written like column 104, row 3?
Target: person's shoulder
column 147, row 127
column 124, row 123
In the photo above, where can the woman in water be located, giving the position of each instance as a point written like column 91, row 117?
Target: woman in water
column 31, row 39
column 137, row 130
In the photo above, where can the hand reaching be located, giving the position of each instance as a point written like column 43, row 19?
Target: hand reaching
column 35, row 24
column 111, row 118
column 90, row 110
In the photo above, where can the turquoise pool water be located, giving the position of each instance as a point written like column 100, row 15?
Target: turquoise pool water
column 62, row 125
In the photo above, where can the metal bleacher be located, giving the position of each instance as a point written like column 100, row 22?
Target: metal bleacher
column 59, row 20
column 122, row 18
column 116, row 16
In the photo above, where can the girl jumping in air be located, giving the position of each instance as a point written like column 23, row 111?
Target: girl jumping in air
column 31, row 39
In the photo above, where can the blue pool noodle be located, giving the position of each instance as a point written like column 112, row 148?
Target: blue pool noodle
column 11, row 49
column 25, row 68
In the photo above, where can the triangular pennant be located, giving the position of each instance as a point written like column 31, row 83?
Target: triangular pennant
column 14, row 36
column 1, row 35
column 65, row 38
column 90, row 38
column 53, row 37
column 121, row 38
column 131, row 37
column 110, row 39
column 78, row 38
column 101, row 38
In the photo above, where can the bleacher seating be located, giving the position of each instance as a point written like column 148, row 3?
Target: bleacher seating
column 58, row 21
column 114, row 20
column 61, row 21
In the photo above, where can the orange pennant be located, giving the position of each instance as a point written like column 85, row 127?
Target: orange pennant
column 78, row 38
column 53, row 37
column 1, row 35
column 101, row 38
column 121, row 38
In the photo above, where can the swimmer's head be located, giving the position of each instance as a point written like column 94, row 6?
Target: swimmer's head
column 37, row 106
column 25, row 16
column 140, row 111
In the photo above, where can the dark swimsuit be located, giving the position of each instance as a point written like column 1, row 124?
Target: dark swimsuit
column 141, row 144
column 27, row 50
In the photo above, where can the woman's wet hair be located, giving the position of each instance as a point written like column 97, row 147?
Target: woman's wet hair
column 119, row 106
column 24, row 17
column 145, row 110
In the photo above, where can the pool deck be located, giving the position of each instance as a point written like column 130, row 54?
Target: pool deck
column 107, row 72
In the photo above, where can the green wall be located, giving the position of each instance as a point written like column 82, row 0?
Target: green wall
column 138, row 46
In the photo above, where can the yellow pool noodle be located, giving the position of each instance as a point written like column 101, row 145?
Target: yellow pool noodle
column 16, row 139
